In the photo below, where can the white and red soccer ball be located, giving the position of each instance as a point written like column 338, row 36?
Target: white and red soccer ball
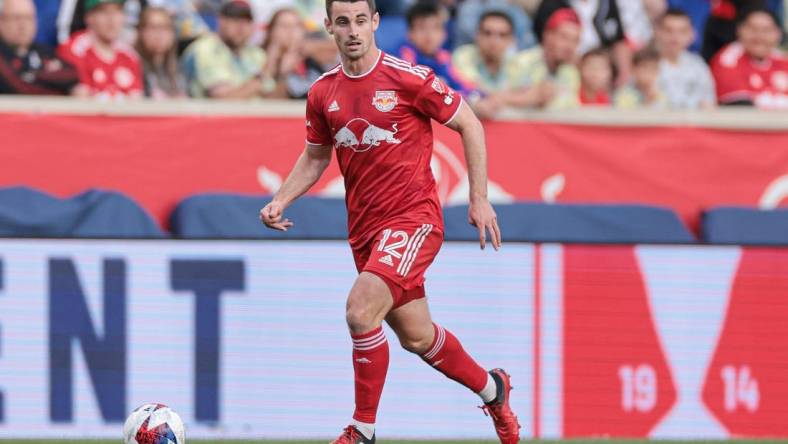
column 153, row 424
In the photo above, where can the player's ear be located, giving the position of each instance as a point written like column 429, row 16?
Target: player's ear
column 327, row 24
column 375, row 21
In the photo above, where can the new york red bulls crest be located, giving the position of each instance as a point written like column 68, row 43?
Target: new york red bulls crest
column 385, row 101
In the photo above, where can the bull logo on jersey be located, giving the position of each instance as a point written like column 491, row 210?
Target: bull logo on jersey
column 385, row 101
column 370, row 136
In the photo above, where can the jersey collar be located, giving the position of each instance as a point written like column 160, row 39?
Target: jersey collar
column 375, row 65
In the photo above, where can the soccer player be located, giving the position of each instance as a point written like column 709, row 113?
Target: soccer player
column 375, row 110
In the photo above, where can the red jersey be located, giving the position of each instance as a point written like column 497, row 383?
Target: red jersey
column 379, row 123
column 741, row 78
column 117, row 77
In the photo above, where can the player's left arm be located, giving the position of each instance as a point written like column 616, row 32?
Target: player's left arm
column 481, row 213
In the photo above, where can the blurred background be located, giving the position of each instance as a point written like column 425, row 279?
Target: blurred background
column 638, row 161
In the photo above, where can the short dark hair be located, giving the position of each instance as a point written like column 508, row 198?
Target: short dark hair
column 496, row 13
column 421, row 9
column 747, row 11
column 674, row 12
column 371, row 4
column 596, row 52
column 647, row 54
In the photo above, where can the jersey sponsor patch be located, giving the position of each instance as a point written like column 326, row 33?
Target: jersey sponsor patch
column 385, row 101
column 438, row 86
column 359, row 135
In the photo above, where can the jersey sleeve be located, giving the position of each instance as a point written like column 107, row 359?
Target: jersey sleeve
column 437, row 100
column 317, row 132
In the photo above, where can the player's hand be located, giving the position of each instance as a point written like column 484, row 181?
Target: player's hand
column 482, row 216
column 271, row 216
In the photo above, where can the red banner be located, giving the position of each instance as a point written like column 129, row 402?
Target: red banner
column 160, row 160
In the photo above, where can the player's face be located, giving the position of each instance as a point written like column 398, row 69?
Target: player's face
column 235, row 32
column 353, row 26
column 759, row 35
column 494, row 38
column 674, row 35
column 18, row 22
column 106, row 21
column 428, row 34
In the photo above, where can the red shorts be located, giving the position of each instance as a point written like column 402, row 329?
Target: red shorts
column 400, row 255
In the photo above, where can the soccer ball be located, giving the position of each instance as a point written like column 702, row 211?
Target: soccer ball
column 153, row 424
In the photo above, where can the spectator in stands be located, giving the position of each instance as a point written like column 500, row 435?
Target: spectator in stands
column 596, row 78
column 157, row 47
column 644, row 90
column 684, row 77
column 426, row 36
column 287, row 62
column 752, row 70
column 637, row 23
column 312, row 12
column 225, row 65
column 470, row 12
column 189, row 23
column 26, row 67
column 601, row 27
column 720, row 28
column 485, row 63
column 108, row 68
column 545, row 76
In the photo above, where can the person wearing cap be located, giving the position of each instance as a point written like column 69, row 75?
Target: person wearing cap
column 225, row 65
column 107, row 66
column 601, row 26
column 27, row 67
column 545, row 76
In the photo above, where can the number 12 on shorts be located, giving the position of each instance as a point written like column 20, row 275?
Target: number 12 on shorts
column 399, row 244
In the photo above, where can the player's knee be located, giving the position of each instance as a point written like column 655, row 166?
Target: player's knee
column 417, row 346
column 359, row 316
column 358, row 320
column 367, row 304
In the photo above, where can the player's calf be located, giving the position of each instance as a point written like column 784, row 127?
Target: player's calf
column 446, row 355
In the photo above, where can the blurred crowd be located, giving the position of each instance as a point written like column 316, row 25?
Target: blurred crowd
column 557, row 54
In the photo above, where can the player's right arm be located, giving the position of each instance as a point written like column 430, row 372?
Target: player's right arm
column 308, row 168
column 306, row 172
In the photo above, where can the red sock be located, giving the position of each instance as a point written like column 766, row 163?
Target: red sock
column 370, row 363
column 448, row 357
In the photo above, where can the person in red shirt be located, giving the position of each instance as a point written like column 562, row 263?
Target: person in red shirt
column 107, row 66
column 596, row 78
column 375, row 111
column 752, row 70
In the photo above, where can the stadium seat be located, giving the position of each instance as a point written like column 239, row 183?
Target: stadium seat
column 538, row 222
column 25, row 212
column 747, row 226
column 233, row 216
